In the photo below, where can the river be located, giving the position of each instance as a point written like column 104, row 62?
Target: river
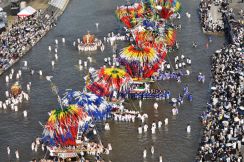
column 172, row 142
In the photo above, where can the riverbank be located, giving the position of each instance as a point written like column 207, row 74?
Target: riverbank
column 51, row 13
column 223, row 120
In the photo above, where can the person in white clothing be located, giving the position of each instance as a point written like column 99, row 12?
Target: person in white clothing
column 145, row 127
column 107, row 126
column 145, row 153
column 109, row 146
column 142, row 119
column 140, row 129
column 140, row 104
column 17, row 154
column 173, row 111
column 153, row 129
column 160, row 158
column 166, row 121
column 33, row 146
column 152, row 149
column 154, row 124
column 155, row 105
column 8, row 150
column 36, row 147
column 160, row 124
column 188, row 128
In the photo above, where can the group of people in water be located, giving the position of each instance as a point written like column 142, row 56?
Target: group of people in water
column 207, row 21
column 125, row 117
column 15, row 95
column 21, row 36
column 151, row 94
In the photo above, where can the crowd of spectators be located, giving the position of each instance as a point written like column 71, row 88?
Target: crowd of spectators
column 207, row 21
column 21, row 36
column 223, row 135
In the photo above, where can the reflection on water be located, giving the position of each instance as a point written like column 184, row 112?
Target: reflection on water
column 171, row 141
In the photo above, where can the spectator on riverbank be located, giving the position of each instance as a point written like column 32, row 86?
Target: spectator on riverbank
column 223, row 134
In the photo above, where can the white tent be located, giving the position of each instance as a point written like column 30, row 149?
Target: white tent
column 27, row 11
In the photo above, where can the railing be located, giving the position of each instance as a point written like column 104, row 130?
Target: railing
column 60, row 4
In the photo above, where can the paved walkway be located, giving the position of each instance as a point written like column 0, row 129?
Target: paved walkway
column 217, row 17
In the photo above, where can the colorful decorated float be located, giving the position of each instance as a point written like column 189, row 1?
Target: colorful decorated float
column 95, row 106
column 16, row 89
column 140, row 63
column 109, row 82
column 90, row 43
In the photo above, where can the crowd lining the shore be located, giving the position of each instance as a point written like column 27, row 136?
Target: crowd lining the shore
column 21, row 36
column 223, row 121
column 223, row 135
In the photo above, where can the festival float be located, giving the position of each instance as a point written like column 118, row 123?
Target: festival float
column 150, row 21
column 141, row 63
column 95, row 106
column 129, row 14
column 111, row 83
column 90, row 43
column 151, row 34
column 158, row 35
column 170, row 36
column 64, row 131
column 166, row 8
column 16, row 89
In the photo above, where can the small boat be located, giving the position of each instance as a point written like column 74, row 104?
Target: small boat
column 16, row 89
column 90, row 43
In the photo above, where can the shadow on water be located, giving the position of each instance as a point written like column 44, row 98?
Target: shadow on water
column 171, row 141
